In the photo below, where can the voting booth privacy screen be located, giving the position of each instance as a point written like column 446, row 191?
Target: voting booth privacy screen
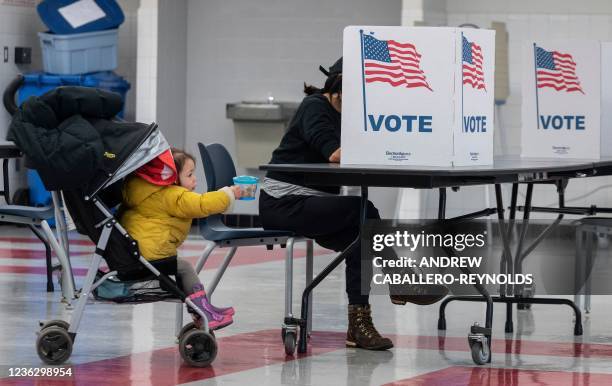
column 418, row 96
column 563, row 97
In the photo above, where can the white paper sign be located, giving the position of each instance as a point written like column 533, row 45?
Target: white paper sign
column 81, row 12
column 473, row 140
column 402, row 102
column 561, row 108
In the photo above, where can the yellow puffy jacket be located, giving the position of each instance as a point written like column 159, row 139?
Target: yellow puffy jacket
column 159, row 217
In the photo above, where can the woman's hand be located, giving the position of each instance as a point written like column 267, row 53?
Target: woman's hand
column 335, row 157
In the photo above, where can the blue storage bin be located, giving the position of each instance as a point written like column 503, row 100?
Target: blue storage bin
column 49, row 12
column 79, row 53
column 38, row 83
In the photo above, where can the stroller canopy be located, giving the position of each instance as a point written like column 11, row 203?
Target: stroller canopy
column 70, row 137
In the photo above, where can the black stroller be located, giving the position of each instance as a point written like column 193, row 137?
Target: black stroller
column 91, row 188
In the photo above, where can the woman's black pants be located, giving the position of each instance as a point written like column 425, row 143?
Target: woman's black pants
column 332, row 221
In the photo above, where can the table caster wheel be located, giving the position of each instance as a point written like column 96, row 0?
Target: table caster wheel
column 290, row 341
column 479, row 347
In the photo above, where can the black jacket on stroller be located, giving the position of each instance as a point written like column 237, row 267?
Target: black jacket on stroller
column 70, row 138
column 69, row 135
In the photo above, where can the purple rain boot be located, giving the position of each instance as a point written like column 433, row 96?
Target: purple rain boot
column 216, row 320
column 221, row 310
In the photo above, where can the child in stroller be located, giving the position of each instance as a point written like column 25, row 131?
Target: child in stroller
column 69, row 135
column 159, row 218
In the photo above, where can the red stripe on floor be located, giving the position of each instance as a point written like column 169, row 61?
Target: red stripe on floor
column 477, row 376
column 24, row 269
column 507, row 346
column 500, row 346
column 33, row 239
column 14, row 253
column 248, row 256
column 243, row 256
column 237, row 353
column 248, row 351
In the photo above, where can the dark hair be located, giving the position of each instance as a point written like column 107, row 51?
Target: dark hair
column 333, row 85
column 180, row 157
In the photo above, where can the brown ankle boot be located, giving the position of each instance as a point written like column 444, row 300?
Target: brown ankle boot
column 422, row 295
column 361, row 331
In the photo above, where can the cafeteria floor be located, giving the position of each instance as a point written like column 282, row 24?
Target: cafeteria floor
column 124, row 344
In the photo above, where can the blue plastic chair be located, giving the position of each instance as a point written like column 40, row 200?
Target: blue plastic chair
column 37, row 216
column 219, row 170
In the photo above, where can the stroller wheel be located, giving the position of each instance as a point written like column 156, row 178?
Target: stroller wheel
column 191, row 326
column 54, row 345
column 188, row 327
column 57, row 323
column 198, row 348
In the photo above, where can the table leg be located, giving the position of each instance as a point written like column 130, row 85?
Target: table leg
column 5, row 180
column 442, row 204
column 506, row 261
column 48, row 259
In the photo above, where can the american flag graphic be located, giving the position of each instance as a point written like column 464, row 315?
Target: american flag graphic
column 472, row 65
column 397, row 64
column 556, row 70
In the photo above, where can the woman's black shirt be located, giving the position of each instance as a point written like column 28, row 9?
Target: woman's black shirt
column 312, row 136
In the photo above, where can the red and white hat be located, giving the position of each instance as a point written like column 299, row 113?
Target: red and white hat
column 160, row 170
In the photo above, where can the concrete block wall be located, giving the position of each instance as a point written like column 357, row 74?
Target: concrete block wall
column 245, row 50
column 545, row 19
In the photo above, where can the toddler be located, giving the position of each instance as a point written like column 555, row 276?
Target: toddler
column 159, row 218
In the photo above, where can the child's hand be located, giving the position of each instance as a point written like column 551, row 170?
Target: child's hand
column 237, row 191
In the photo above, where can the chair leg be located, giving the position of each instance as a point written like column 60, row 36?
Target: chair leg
column 178, row 324
column 48, row 257
column 219, row 274
column 309, row 275
column 49, row 263
column 68, row 287
column 590, row 259
column 289, row 278
column 210, row 246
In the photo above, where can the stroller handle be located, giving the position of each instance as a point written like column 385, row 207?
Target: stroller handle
column 8, row 98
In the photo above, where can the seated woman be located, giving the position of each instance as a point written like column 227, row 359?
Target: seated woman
column 319, row 212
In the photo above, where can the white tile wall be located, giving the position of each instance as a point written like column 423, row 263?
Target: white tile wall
column 19, row 25
column 146, row 81
column 127, row 53
column 269, row 46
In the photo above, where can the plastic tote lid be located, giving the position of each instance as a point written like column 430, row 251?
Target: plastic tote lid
column 246, row 180
column 106, row 80
column 78, row 16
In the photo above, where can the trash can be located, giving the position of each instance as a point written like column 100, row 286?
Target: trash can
column 82, row 53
